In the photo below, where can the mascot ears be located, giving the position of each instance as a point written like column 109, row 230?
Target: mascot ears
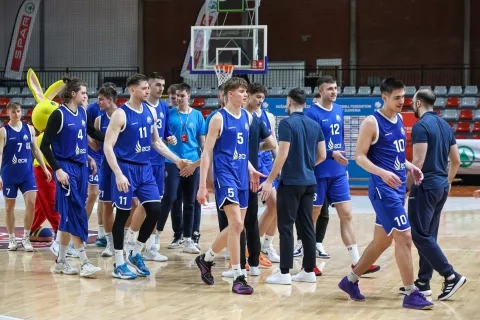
column 36, row 88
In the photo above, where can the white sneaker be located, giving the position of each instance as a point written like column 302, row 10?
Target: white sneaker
column 271, row 254
column 71, row 251
column 12, row 244
column 189, row 247
column 88, row 270
column 278, row 278
column 229, row 273
column 27, row 245
column 62, row 266
column 108, row 252
column 254, row 271
column 303, row 276
column 152, row 255
column 55, row 247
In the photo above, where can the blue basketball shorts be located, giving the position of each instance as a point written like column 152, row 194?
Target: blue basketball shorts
column 390, row 211
column 10, row 190
column 105, row 185
column 336, row 190
column 229, row 195
column 142, row 185
column 159, row 175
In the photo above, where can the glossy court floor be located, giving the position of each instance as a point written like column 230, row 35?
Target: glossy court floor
column 174, row 290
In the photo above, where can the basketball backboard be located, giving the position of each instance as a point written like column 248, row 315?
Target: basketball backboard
column 245, row 47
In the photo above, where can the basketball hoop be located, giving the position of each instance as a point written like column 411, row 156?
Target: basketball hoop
column 224, row 72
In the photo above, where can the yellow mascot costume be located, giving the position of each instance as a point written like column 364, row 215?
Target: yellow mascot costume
column 44, row 206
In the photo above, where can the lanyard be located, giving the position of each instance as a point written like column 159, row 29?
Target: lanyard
column 186, row 121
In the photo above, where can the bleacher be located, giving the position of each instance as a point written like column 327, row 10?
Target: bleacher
column 459, row 106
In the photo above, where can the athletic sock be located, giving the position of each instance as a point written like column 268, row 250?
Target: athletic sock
column 353, row 251
column 268, row 241
column 119, row 257
column 137, row 248
column 62, row 252
column 352, row 277
column 410, row 288
column 26, row 234
column 451, row 277
column 101, row 231
column 237, row 271
column 82, row 254
column 109, row 237
column 210, row 255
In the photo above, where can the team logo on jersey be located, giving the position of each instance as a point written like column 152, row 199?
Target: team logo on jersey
column 190, row 125
column 25, row 137
column 402, row 130
column 246, row 126
column 15, row 160
column 162, row 115
column 239, row 156
column 332, row 146
column 79, row 151
column 398, row 165
column 149, row 120
column 139, row 148
column 83, row 123
column 338, row 118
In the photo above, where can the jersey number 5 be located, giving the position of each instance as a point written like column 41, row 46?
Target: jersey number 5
column 240, row 137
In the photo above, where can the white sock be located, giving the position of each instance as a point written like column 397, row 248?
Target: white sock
column 210, row 255
column 158, row 232
column 409, row 289
column 188, row 238
column 237, row 271
column 82, row 254
column 130, row 235
column 11, row 235
column 299, row 242
column 451, row 277
column 101, row 231
column 268, row 241
column 109, row 237
column 62, row 252
column 353, row 251
column 26, row 234
column 137, row 248
column 352, row 277
column 119, row 257
column 320, row 247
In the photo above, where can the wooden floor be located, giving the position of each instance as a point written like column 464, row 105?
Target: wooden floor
column 174, row 290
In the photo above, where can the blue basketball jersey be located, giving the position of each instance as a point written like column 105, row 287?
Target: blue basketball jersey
column 93, row 111
column 265, row 156
column 331, row 122
column 17, row 161
column 103, row 125
column 162, row 122
column 230, row 154
column 71, row 142
column 135, row 139
column 388, row 152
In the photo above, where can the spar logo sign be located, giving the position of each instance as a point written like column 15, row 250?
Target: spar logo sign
column 29, row 8
column 467, row 156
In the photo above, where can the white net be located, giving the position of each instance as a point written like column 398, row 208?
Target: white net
column 224, row 73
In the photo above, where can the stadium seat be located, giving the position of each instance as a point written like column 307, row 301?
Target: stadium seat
column 425, row 87
column 4, row 101
column 121, row 101
column 275, row 92
column 452, row 125
column 19, row 100
column 212, row 103
column 198, row 103
column 204, row 92
column 476, row 115
column 364, row 91
column 463, row 127
column 440, row 102
column 453, row 102
column 91, row 92
column 476, row 136
column 193, row 92
column 469, row 102
column 29, row 103
column 460, row 137
column 339, row 91
column 3, row 91
column 349, row 91
column 455, row 91
column 206, row 112
column 5, row 122
column 26, row 92
column 450, row 115
column 3, row 113
column 476, row 127
column 14, row 92
column 466, row 114
column 376, row 91
column 471, row 91
column 119, row 90
column 440, row 91
column 126, row 93
column 28, row 114
column 410, row 91
column 408, row 102
column 308, row 90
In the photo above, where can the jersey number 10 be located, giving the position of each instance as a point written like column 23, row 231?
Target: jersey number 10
column 400, row 145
